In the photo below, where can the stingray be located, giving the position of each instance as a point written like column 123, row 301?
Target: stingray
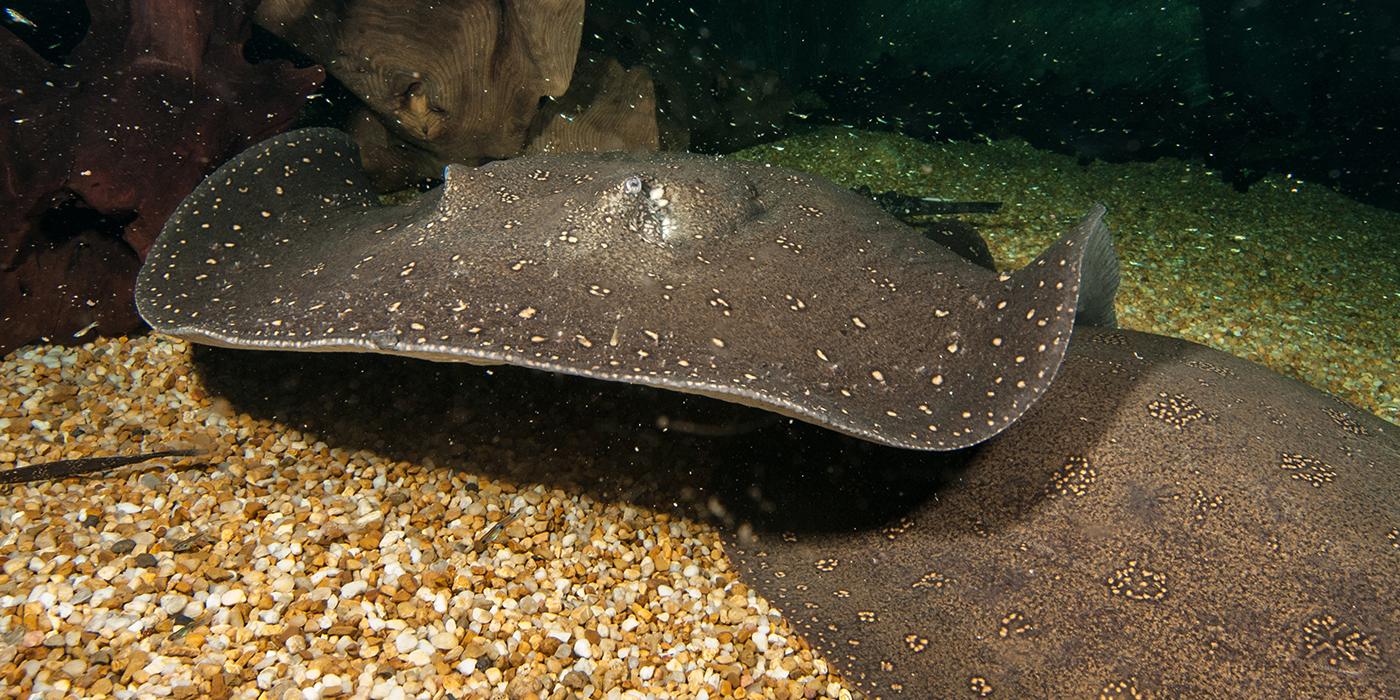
column 1168, row 521
column 744, row 282
column 1116, row 515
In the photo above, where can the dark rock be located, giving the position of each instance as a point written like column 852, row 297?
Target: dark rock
column 103, row 144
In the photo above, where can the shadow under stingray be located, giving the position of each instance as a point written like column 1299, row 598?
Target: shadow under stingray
column 692, row 455
column 687, row 454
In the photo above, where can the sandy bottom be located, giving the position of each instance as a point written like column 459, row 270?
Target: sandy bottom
column 378, row 527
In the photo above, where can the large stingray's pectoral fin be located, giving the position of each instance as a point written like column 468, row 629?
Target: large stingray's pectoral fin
column 250, row 211
column 1098, row 285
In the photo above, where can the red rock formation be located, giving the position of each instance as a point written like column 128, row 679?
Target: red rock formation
column 101, row 148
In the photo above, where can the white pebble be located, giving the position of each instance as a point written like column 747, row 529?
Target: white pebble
column 405, row 642
column 173, row 603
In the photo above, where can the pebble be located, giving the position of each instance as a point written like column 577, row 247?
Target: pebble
column 123, row 546
column 145, row 560
column 173, row 603
column 444, row 641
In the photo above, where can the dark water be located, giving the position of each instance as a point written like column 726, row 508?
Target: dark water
column 1307, row 87
column 1249, row 86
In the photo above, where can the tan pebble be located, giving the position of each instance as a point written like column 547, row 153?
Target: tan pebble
column 576, row 680
column 444, row 641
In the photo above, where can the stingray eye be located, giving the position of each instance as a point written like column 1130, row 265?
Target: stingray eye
column 632, row 185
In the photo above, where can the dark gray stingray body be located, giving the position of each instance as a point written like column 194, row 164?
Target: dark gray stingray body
column 748, row 283
column 1167, row 522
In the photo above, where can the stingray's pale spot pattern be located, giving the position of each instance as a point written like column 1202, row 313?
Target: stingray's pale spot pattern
column 570, row 248
column 1137, row 532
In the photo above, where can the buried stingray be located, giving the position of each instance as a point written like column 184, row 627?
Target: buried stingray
column 1165, row 521
column 1168, row 521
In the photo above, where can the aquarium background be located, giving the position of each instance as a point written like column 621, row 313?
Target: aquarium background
column 1248, row 152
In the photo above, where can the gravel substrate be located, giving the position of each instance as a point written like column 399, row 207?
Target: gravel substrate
column 336, row 537
column 284, row 564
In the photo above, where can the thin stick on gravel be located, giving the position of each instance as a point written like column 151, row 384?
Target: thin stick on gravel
column 496, row 529
column 65, row 468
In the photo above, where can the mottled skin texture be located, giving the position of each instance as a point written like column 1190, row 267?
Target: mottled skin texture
column 1168, row 521
column 749, row 283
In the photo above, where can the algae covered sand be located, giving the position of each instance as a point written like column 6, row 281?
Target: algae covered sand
column 1288, row 274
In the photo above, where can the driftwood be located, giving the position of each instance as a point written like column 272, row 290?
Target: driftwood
column 462, row 81
column 607, row 108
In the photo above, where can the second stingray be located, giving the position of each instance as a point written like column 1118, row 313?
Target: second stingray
column 743, row 282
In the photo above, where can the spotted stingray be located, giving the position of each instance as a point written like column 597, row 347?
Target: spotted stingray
column 748, row 283
column 1168, row 521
